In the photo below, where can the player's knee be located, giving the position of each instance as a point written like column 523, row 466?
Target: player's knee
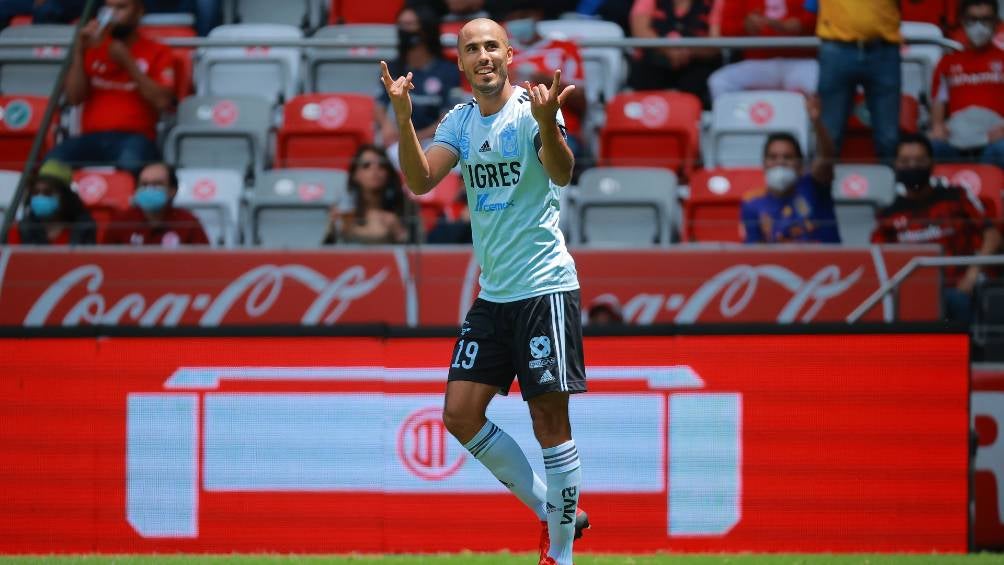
column 462, row 424
column 551, row 427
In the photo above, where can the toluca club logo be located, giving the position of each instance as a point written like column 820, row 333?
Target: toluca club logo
column 426, row 448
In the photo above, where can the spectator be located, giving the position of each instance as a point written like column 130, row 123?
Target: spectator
column 678, row 68
column 54, row 214
column 617, row 11
column 536, row 58
column 208, row 13
column 860, row 47
column 604, row 310
column 464, row 10
column 375, row 209
column 947, row 215
column 123, row 80
column 419, row 53
column 793, row 208
column 967, row 114
column 41, row 11
column 767, row 69
column 153, row 219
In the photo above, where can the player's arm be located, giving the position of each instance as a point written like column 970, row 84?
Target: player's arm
column 554, row 152
column 422, row 169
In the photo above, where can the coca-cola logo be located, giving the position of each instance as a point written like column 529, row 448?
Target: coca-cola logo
column 256, row 292
column 734, row 289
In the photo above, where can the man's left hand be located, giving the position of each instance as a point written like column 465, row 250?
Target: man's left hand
column 544, row 102
column 118, row 52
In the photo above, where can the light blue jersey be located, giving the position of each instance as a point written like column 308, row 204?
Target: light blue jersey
column 513, row 203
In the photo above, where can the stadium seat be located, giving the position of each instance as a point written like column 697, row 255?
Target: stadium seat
column 440, row 201
column 290, row 207
column 20, row 119
column 215, row 132
column 651, row 129
column 859, row 192
column 711, row 212
column 986, row 182
column 919, row 60
column 858, row 143
column 741, row 122
column 356, row 12
column 355, row 67
column 105, row 192
column 214, row 196
column 298, row 13
column 271, row 72
column 32, row 70
column 324, row 130
column 626, row 206
column 605, row 67
column 8, row 186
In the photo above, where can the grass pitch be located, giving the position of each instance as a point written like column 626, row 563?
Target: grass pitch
column 513, row 559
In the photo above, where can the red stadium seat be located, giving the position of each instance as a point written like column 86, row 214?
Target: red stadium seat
column 651, row 129
column 984, row 181
column 20, row 118
column 182, row 55
column 712, row 211
column 324, row 130
column 361, row 12
column 104, row 192
column 858, row 143
column 440, row 201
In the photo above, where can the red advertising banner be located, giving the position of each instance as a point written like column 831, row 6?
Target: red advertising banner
column 988, row 477
column 436, row 286
column 798, row 443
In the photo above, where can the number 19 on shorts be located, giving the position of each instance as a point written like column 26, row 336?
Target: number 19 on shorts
column 465, row 355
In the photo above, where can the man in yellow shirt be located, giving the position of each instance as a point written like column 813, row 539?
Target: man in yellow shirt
column 860, row 46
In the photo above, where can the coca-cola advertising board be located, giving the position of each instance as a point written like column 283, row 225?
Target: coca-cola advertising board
column 430, row 286
column 794, row 443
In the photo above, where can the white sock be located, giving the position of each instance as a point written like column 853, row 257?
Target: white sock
column 563, row 477
column 497, row 451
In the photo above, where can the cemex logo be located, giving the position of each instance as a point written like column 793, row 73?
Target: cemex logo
column 193, row 437
column 483, row 205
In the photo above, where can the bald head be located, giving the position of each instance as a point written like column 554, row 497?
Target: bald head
column 482, row 27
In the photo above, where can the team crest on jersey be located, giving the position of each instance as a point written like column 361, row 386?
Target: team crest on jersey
column 510, row 147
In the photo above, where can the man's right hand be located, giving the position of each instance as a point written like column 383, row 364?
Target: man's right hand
column 398, row 91
column 89, row 35
column 755, row 23
column 938, row 132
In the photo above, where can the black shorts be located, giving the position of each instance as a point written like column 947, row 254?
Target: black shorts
column 538, row 340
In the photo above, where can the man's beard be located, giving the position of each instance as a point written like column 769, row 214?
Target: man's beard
column 494, row 88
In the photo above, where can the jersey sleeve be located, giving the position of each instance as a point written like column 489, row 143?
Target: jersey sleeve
column 448, row 132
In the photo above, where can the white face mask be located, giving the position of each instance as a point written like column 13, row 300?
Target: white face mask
column 979, row 33
column 780, row 178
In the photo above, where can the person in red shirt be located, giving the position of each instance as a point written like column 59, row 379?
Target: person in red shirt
column 967, row 114
column 946, row 215
column 152, row 219
column 54, row 214
column 124, row 81
column 535, row 59
column 767, row 69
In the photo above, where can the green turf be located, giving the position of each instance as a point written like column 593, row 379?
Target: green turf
column 519, row 559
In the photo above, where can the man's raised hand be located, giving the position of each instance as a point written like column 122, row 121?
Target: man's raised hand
column 398, row 91
column 544, row 101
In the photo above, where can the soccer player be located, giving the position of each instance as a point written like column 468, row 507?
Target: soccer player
column 510, row 143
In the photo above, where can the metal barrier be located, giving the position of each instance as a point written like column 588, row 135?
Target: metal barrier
column 917, row 262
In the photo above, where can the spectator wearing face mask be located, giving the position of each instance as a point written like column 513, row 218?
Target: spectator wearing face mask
column 54, row 214
column 123, row 81
column 967, row 114
column 946, row 215
column 794, row 207
column 421, row 54
column 152, row 219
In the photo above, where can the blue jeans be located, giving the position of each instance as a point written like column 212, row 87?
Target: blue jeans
column 958, row 306
column 875, row 66
column 992, row 153
column 125, row 151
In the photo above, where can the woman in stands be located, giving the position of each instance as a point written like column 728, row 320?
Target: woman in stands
column 374, row 211
column 54, row 214
column 419, row 52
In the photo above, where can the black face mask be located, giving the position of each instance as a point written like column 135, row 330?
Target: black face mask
column 408, row 39
column 121, row 31
column 914, row 178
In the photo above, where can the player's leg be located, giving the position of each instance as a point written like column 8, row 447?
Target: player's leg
column 482, row 367
column 550, row 365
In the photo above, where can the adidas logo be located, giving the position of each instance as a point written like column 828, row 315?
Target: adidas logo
column 547, row 377
column 485, row 147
